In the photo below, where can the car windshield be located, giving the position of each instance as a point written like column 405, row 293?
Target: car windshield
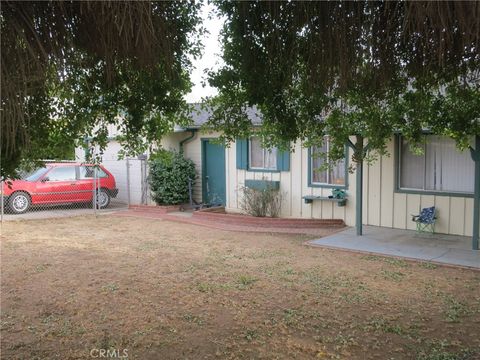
column 37, row 174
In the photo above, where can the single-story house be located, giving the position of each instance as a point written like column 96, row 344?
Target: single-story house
column 394, row 187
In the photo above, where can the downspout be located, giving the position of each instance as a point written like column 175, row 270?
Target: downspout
column 187, row 139
column 476, row 194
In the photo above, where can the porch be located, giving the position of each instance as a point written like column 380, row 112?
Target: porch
column 437, row 248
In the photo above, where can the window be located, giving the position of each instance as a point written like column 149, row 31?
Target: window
column 62, row 173
column 441, row 167
column 261, row 158
column 87, row 172
column 37, row 174
column 332, row 176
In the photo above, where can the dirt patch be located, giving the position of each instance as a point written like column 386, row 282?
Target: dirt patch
column 165, row 290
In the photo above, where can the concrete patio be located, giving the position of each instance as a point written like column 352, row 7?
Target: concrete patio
column 438, row 248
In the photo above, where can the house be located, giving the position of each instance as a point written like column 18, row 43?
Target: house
column 394, row 187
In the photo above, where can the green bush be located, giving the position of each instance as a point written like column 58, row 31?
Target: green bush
column 261, row 203
column 169, row 175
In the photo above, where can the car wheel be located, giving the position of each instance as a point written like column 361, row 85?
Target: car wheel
column 19, row 202
column 103, row 199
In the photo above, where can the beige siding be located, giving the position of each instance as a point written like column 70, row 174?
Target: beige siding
column 468, row 217
column 387, row 194
column 381, row 206
column 399, row 211
column 172, row 141
column 374, row 193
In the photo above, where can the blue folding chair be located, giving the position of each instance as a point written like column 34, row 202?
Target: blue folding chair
column 425, row 220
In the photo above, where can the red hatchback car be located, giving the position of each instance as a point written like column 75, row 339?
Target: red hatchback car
column 60, row 183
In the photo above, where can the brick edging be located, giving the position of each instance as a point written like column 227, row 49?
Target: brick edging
column 246, row 220
column 161, row 209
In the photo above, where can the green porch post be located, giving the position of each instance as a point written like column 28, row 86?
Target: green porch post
column 358, row 151
column 359, row 190
column 476, row 197
column 359, row 200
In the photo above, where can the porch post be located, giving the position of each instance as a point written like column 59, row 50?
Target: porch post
column 476, row 197
column 358, row 151
column 359, row 200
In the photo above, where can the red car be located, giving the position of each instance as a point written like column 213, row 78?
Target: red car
column 60, row 183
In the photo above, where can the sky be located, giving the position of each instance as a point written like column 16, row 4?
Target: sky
column 211, row 56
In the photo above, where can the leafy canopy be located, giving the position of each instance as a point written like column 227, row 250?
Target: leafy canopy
column 349, row 68
column 70, row 68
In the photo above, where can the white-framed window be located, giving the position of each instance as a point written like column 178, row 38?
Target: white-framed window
column 334, row 175
column 440, row 168
column 259, row 157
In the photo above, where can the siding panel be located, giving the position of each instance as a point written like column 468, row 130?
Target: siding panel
column 413, row 207
column 386, row 189
column 457, row 215
column 468, row 221
column 374, row 193
column 442, row 204
column 400, row 211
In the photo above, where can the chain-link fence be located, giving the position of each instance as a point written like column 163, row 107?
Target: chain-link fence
column 61, row 189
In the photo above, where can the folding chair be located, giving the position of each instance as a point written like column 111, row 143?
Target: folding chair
column 425, row 220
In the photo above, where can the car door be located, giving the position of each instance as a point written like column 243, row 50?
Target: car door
column 59, row 185
column 85, row 182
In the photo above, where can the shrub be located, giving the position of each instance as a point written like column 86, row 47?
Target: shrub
column 169, row 176
column 261, row 203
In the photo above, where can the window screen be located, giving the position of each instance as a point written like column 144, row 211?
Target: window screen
column 334, row 175
column 441, row 167
column 261, row 158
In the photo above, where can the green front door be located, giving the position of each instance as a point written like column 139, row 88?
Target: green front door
column 213, row 172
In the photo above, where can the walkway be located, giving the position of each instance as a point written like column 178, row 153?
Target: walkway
column 438, row 248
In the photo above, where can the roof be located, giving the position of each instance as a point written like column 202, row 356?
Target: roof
column 200, row 115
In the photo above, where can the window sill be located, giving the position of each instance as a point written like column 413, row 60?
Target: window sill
column 327, row 186
column 263, row 170
column 436, row 193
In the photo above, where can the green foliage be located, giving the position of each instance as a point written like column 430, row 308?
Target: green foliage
column 70, row 69
column 261, row 203
column 169, row 176
column 329, row 68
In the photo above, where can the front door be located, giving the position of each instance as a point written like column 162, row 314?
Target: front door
column 213, row 174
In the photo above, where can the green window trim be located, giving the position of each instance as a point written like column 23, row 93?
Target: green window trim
column 326, row 186
column 243, row 158
column 400, row 190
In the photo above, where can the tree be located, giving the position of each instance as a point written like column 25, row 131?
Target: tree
column 364, row 69
column 70, row 68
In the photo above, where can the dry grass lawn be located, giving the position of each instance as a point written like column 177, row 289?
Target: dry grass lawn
column 163, row 290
